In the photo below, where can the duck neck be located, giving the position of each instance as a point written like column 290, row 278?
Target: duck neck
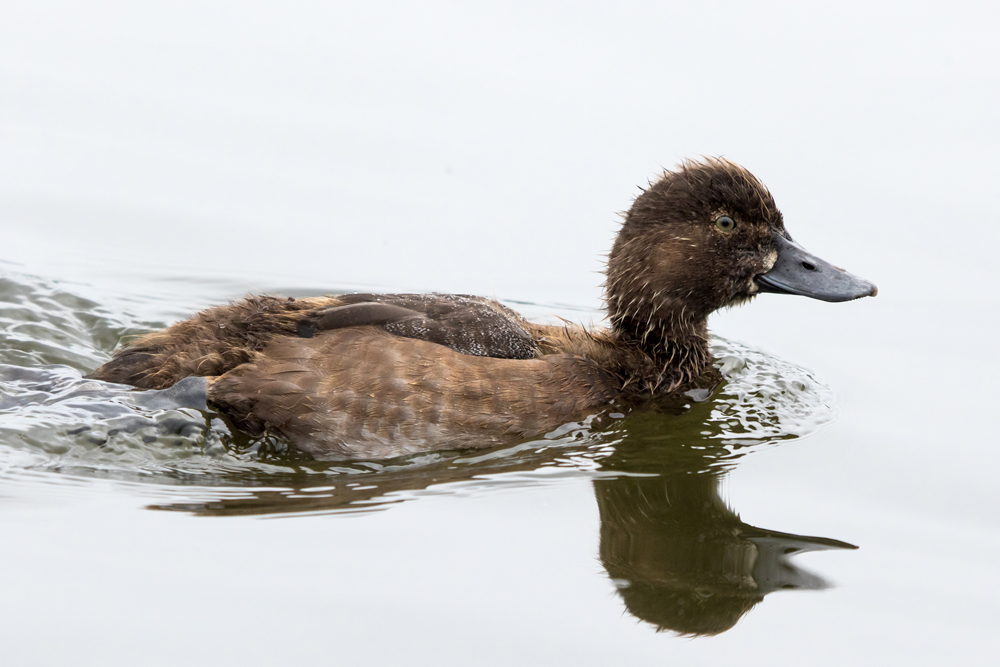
column 676, row 341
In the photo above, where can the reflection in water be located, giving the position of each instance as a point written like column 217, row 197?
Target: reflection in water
column 684, row 561
column 680, row 558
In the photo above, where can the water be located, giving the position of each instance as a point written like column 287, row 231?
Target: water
column 157, row 162
column 52, row 419
column 679, row 557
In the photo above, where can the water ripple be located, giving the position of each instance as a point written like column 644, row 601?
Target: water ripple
column 53, row 421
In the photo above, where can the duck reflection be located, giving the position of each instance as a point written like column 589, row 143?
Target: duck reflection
column 680, row 557
column 684, row 561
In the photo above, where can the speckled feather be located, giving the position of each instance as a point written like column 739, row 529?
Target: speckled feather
column 219, row 339
column 361, row 392
column 467, row 324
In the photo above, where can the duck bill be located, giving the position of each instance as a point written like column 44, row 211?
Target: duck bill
column 798, row 271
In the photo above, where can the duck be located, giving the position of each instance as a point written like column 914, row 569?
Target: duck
column 378, row 376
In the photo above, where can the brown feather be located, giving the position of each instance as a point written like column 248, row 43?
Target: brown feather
column 369, row 375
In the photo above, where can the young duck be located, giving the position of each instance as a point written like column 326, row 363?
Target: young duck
column 384, row 375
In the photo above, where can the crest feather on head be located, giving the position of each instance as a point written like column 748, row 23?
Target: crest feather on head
column 709, row 183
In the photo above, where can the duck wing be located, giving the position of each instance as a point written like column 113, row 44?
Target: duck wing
column 468, row 324
column 219, row 339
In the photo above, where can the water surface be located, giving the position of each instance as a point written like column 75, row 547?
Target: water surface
column 679, row 557
column 157, row 160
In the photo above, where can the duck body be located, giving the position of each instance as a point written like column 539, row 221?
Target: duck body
column 381, row 375
column 466, row 372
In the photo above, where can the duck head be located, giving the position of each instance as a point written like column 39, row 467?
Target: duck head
column 706, row 236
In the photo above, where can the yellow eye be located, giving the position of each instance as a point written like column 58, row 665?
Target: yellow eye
column 725, row 223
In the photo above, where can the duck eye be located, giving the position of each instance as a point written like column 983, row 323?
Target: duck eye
column 725, row 223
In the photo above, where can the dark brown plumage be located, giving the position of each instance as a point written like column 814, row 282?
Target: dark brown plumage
column 367, row 375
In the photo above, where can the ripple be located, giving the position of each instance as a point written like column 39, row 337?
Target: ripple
column 766, row 398
column 52, row 420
